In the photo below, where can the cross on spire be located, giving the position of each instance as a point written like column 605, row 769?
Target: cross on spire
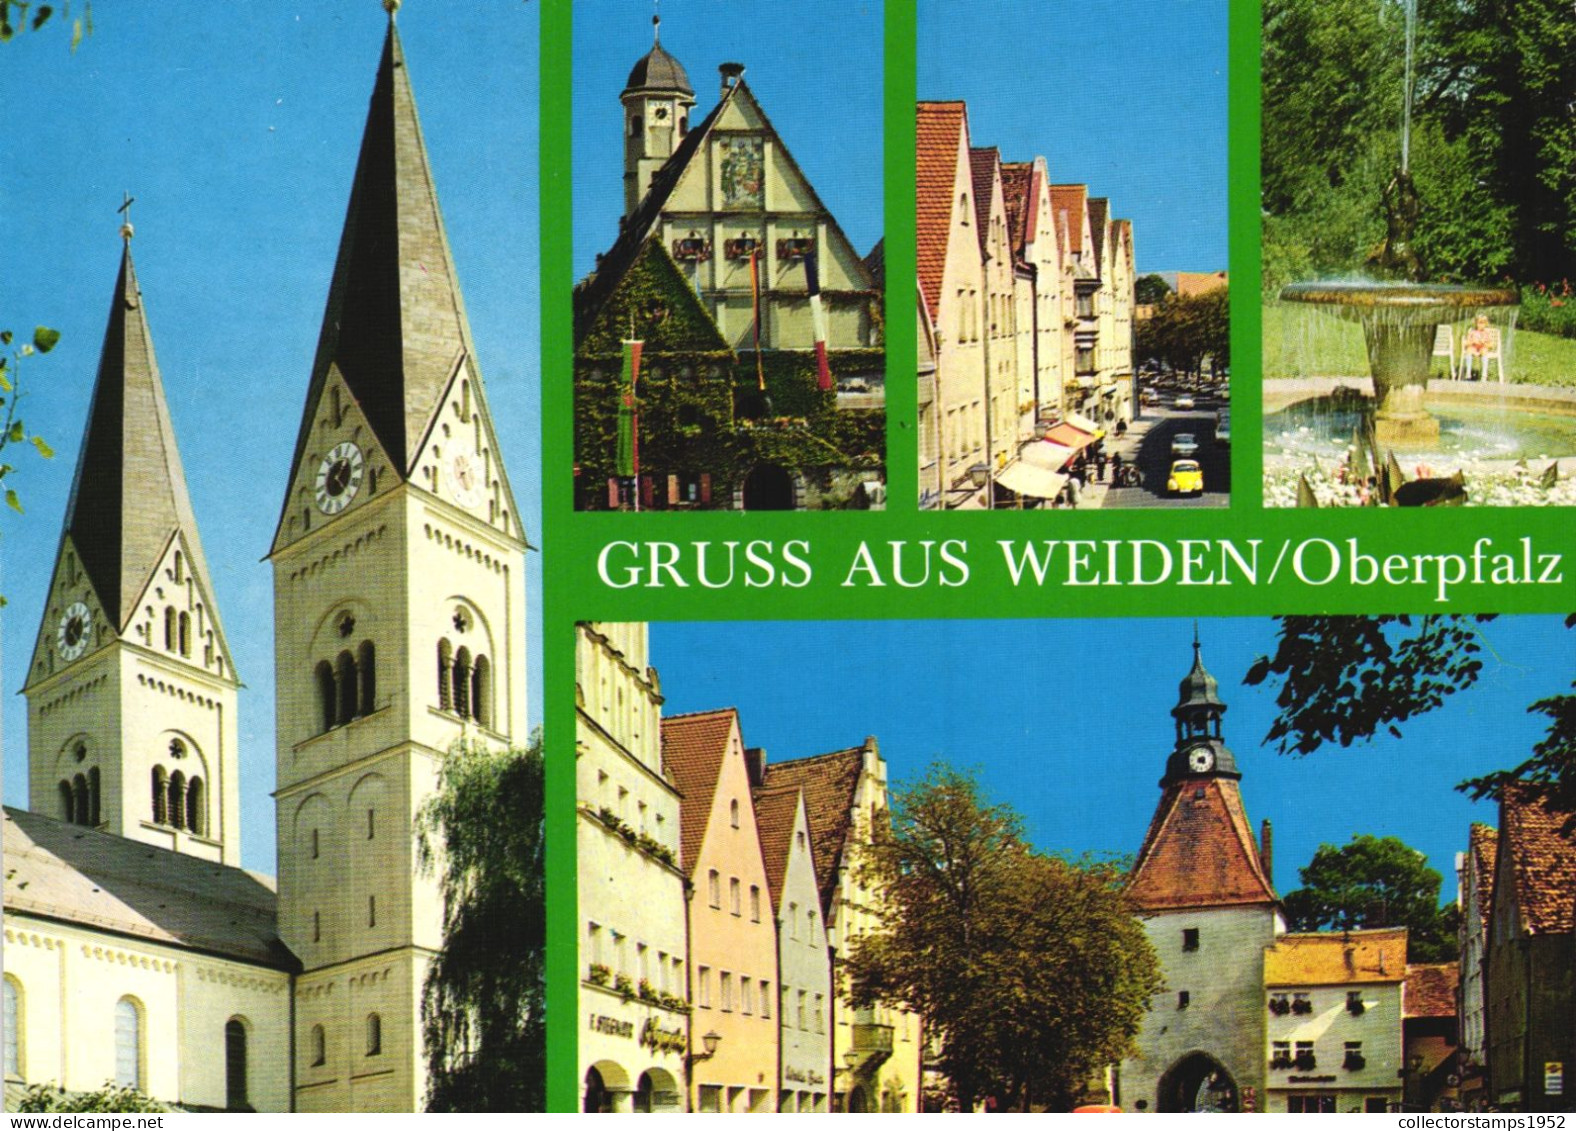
column 656, row 22
column 126, row 230
column 391, row 6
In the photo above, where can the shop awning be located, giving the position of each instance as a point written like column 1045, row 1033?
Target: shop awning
column 1071, row 437
column 1047, row 454
column 1031, row 482
column 1084, row 423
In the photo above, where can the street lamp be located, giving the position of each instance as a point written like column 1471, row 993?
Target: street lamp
column 711, row 1040
column 979, row 475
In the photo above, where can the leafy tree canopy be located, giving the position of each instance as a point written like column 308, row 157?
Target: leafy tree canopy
column 1375, row 882
column 483, row 1019
column 1032, row 969
column 1150, row 289
column 111, row 1097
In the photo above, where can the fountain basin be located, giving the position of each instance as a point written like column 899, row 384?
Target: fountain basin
column 1398, row 320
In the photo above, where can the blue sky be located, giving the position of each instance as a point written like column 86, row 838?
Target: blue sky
column 1128, row 98
column 236, row 128
column 1070, row 720
column 815, row 66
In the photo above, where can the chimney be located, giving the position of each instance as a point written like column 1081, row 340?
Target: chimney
column 731, row 73
column 1267, row 851
column 755, row 765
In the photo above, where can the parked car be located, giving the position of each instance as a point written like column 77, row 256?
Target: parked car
column 1223, row 428
column 1186, row 478
column 1183, row 403
column 1184, row 444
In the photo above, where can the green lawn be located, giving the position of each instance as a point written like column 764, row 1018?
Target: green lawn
column 1300, row 341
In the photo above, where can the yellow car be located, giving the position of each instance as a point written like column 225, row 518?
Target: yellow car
column 1186, row 478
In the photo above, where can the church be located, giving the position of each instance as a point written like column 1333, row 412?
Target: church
column 137, row 951
column 732, row 320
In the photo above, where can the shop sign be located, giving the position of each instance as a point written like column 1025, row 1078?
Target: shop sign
column 658, row 1039
column 801, row 1076
column 1554, row 1077
column 611, row 1026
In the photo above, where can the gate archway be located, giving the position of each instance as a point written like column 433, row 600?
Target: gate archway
column 1198, row 1082
column 768, row 487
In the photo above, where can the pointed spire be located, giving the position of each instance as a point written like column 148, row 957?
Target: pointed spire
column 129, row 494
column 395, row 326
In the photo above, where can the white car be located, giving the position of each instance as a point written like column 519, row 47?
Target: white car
column 1184, row 444
column 1183, row 403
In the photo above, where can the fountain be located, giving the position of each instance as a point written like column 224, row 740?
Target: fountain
column 1399, row 312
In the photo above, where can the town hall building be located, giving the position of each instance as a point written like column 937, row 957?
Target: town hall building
column 136, row 949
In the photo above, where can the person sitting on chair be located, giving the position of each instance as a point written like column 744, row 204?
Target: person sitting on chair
column 1478, row 343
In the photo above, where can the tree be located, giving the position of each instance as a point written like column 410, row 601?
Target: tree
column 28, row 15
column 1150, row 290
column 111, row 1097
column 1343, row 679
column 1375, row 882
column 483, row 1002
column 1031, row 970
column 1185, row 329
column 12, row 428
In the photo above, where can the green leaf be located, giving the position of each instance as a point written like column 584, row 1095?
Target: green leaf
column 43, row 448
column 17, row 434
column 5, row 337
column 44, row 338
column 6, row 32
column 76, row 34
column 13, row 502
column 5, row 385
column 42, row 16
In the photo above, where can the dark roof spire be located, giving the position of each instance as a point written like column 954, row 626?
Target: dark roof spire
column 395, row 326
column 128, row 498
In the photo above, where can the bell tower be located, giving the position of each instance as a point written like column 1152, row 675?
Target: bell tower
column 657, row 101
column 131, row 692
column 1200, row 748
column 399, row 611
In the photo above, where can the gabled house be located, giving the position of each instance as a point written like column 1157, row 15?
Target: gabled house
column 1475, row 878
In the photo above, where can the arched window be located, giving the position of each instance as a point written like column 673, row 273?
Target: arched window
column 319, row 1046
column 326, row 703
column 180, row 569
column 93, row 796
column 367, row 670
column 196, row 808
column 634, row 125
column 169, row 628
column 445, row 666
column 481, row 691
column 178, row 799
column 13, row 1029
column 374, row 1034
column 462, row 682
column 128, row 1043
column 345, row 677
column 186, row 634
column 79, row 799
column 235, row 1066
column 161, row 796
column 67, row 808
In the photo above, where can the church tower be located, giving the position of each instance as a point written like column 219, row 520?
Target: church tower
column 657, row 101
column 1210, row 909
column 131, row 692
column 399, row 613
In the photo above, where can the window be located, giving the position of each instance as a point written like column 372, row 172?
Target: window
column 1302, row 1056
column 374, row 1034
column 703, row 987
column 196, row 808
column 733, row 812
column 161, row 796
column 1280, row 1054
column 803, row 998
column 327, row 704
column 810, row 925
column 766, row 1000
column 372, row 824
column 1183, row 999
column 714, row 888
column 319, row 1046
column 235, row 1066
column 820, row 1013
column 186, row 634
column 733, row 894
column 799, row 839
column 1311, row 1105
column 746, row 1003
column 315, row 844
column 725, row 990
column 317, row 926
column 793, row 920
column 169, row 628
column 755, row 904
column 13, row 1029
column 367, row 674
column 445, row 665
column 1189, row 938
column 178, row 799
column 594, row 933
column 1354, row 1003
column 461, row 680
column 1376, row 1104
column 1353, row 1061
column 372, row 911
column 345, row 685
column 128, row 1043
column 1301, row 1003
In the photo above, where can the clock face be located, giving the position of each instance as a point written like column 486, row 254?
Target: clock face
column 72, row 635
column 339, row 477
column 1201, row 759
column 463, row 472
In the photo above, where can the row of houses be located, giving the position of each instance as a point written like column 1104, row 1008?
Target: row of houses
column 1026, row 308
column 716, row 893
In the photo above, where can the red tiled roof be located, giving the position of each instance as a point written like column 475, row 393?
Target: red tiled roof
column 1482, row 851
column 1073, row 201
column 1333, row 958
column 982, row 169
column 829, row 782
column 693, row 747
column 1099, row 217
column 1430, row 990
column 775, row 810
column 941, row 126
column 1542, row 862
column 1199, row 851
column 1017, row 188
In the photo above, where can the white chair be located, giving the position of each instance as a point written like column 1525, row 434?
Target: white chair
column 1445, row 345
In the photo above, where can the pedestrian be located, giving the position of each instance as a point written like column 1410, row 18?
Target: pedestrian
column 1072, row 492
column 1116, row 468
column 1121, row 428
column 1099, row 466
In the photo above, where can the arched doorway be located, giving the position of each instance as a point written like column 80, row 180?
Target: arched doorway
column 1198, row 1082
column 768, row 487
column 606, row 1088
column 858, row 1100
column 656, row 1091
column 597, row 1099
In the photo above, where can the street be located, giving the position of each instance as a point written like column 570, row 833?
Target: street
column 1149, row 442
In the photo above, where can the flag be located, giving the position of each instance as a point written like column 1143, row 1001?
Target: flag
column 823, row 372
column 755, row 309
column 628, row 458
